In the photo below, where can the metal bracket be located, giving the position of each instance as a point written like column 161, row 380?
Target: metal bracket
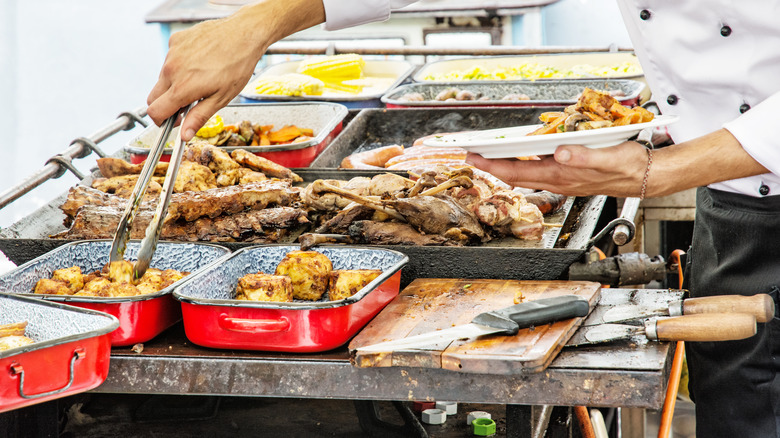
column 65, row 163
column 611, row 226
column 134, row 118
column 91, row 146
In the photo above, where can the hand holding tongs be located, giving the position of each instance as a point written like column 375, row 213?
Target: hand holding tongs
column 149, row 242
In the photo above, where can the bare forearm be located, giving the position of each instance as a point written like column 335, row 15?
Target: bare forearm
column 714, row 157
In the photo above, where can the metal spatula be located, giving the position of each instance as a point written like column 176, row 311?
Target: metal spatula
column 152, row 235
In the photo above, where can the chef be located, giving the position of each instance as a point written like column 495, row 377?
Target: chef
column 715, row 64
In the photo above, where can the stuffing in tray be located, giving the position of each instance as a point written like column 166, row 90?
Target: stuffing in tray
column 114, row 280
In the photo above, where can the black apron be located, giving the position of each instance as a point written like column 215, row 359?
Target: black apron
column 736, row 250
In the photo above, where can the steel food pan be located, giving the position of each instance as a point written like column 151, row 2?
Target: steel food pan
column 393, row 72
column 617, row 65
column 141, row 317
column 323, row 117
column 70, row 354
column 212, row 318
column 541, row 93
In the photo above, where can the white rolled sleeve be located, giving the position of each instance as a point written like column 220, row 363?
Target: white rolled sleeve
column 340, row 14
column 756, row 130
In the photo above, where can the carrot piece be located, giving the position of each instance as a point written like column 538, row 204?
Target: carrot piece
column 231, row 128
column 550, row 128
column 288, row 133
column 550, row 115
column 255, row 141
column 264, row 141
column 307, row 132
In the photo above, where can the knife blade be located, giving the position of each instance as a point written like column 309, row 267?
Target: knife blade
column 508, row 321
column 761, row 306
column 705, row 327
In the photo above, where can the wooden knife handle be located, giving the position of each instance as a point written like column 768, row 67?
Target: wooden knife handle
column 761, row 306
column 702, row 328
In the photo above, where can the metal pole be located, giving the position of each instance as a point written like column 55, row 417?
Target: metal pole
column 335, row 48
column 76, row 150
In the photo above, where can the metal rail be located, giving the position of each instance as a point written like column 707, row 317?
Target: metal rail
column 289, row 48
column 81, row 147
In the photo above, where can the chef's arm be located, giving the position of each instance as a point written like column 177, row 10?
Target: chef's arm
column 620, row 170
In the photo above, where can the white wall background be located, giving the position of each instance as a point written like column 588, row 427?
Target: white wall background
column 67, row 70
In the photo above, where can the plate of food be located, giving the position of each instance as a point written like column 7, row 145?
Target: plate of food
column 595, row 121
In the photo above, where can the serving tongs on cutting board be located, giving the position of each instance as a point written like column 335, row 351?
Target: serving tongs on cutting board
column 152, row 235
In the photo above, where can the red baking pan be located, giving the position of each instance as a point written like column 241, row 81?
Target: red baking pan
column 141, row 317
column 70, row 352
column 212, row 318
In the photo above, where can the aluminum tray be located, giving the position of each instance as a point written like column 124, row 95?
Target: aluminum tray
column 213, row 318
column 542, row 93
column 323, row 117
column 396, row 71
column 561, row 61
column 70, row 353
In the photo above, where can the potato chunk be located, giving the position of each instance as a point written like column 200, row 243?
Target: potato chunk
column 309, row 272
column 347, row 282
column 264, row 287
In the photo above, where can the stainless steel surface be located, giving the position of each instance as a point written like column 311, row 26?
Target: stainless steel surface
column 434, row 340
column 604, row 333
column 76, row 150
column 618, row 374
column 126, row 222
column 624, row 233
column 337, row 48
column 153, row 231
column 637, row 299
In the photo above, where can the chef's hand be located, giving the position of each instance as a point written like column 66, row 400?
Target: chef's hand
column 575, row 170
column 213, row 60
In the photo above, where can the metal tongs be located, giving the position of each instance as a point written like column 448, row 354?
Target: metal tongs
column 152, row 235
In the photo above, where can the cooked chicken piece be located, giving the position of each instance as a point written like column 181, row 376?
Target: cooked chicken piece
column 598, row 103
column 170, row 276
column 95, row 287
column 395, row 233
column 110, row 167
column 119, row 290
column 13, row 329
column 194, row 177
column 121, row 271
column 239, row 176
column 390, row 185
column 344, row 283
column 123, row 186
column 150, row 282
column 52, row 287
column 264, row 287
column 309, row 272
column 9, row 342
column 324, row 201
column 264, row 165
column 201, row 152
column 72, row 276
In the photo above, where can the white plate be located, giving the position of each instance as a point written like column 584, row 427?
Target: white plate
column 513, row 142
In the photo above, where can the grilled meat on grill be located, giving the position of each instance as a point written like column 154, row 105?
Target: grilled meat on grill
column 201, row 152
column 111, row 167
column 264, row 165
column 123, row 185
column 395, row 233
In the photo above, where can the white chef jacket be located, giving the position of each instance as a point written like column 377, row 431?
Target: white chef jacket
column 715, row 63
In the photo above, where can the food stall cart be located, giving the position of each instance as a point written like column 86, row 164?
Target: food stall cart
column 628, row 374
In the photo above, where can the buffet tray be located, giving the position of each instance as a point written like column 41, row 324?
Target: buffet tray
column 141, row 317
column 213, row 318
column 70, row 353
column 326, row 119
column 396, row 72
column 541, row 93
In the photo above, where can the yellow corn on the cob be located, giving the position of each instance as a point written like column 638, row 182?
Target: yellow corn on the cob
column 343, row 67
column 342, row 87
column 291, row 84
column 213, row 127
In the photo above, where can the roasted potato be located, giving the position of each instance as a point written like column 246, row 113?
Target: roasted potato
column 309, row 272
column 344, row 283
column 264, row 287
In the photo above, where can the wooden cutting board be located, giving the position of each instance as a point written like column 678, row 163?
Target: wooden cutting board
column 434, row 304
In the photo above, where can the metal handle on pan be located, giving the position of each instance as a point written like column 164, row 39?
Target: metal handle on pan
column 253, row 325
column 17, row 369
column 623, row 233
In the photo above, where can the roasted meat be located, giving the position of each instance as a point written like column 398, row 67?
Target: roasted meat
column 201, row 152
column 343, row 283
column 507, row 213
column 395, row 233
column 123, row 186
column 239, row 176
column 111, row 167
column 264, row 287
column 71, row 276
column 264, row 165
column 194, row 177
column 52, row 287
column 309, row 272
column 13, row 329
column 9, row 342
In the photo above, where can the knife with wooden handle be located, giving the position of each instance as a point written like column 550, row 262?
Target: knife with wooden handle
column 708, row 327
column 761, row 306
